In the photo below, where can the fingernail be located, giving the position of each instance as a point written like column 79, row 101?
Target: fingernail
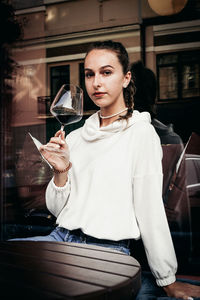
column 62, row 142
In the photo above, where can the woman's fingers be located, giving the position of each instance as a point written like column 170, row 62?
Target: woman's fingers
column 58, row 158
column 57, row 140
column 55, row 148
column 50, row 148
column 53, row 145
column 56, row 151
column 61, row 134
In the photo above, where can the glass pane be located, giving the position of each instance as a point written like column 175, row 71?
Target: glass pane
column 55, row 86
column 58, row 76
column 190, row 81
column 167, row 59
column 190, row 57
column 168, row 82
column 55, row 71
column 64, row 72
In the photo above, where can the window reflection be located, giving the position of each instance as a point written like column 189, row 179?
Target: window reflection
column 178, row 75
column 191, row 80
column 59, row 75
column 168, row 83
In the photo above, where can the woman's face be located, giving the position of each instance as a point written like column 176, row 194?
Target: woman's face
column 104, row 79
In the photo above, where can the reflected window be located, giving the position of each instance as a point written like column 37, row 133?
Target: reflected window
column 178, row 76
column 59, row 75
column 190, row 80
column 168, row 82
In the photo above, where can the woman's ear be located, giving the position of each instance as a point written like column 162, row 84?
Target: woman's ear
column 127, row 79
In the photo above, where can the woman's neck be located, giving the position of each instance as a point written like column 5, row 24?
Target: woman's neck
column 108, row 117
column 106, row 122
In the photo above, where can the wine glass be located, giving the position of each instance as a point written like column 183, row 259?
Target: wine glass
column 67, row 105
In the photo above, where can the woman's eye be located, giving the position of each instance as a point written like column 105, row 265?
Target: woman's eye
column 107, row 73
column 88, row 75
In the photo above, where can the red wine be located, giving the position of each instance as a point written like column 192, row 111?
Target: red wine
column 66, row 116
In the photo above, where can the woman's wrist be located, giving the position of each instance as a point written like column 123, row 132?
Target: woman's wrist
column 61, row 176
column 64, row 170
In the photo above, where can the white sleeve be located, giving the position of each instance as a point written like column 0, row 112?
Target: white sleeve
column 150, row 212
column 57, row 197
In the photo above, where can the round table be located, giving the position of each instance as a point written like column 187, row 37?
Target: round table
column 53, row 270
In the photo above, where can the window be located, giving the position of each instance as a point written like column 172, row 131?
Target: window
column 178, row 76
column 58, row 76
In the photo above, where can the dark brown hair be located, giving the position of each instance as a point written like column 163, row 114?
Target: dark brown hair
column 123, row 58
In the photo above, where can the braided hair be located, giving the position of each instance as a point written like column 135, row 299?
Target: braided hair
column 123, row 58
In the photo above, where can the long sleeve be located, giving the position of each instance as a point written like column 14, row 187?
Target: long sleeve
column 57, row 197
column 149, row 210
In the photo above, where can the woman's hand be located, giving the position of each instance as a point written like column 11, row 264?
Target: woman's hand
column 182, row 290
column 56, row 152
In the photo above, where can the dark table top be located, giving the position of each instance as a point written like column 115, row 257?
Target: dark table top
column 52, row 270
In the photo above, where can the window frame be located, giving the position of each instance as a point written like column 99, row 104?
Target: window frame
column 67, row 65
column 179, row 68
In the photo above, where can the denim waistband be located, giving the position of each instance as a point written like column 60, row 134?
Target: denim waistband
column 90, row 239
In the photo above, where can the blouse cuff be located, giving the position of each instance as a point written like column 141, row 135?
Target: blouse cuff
column 60, row 188
column 166, row 281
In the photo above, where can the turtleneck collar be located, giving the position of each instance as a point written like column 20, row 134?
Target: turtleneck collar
column 91, row 131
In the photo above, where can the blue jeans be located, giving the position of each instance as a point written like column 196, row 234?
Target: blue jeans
column 60, row 234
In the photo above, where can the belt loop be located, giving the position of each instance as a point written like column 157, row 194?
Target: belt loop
column 67, row 235
column 83, row 237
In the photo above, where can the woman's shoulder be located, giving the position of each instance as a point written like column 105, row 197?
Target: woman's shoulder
column 142, row 131
column 140, row 122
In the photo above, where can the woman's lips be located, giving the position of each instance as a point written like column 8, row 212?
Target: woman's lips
column 99, row 94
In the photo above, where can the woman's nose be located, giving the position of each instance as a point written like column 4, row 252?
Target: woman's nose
column 97, row 81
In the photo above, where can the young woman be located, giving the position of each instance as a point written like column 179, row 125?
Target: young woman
column 107, row 187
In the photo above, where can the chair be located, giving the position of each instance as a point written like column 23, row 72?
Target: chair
column 193, row 188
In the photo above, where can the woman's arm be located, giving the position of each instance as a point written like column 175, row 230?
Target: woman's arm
column 56, row 152
column 149, row 208
column 152, row 221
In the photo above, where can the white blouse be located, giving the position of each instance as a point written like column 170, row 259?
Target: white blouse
column 114, row 189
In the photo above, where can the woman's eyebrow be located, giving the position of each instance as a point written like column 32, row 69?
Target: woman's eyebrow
column 107, row 66
column 87, row 69
column 103, row 67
